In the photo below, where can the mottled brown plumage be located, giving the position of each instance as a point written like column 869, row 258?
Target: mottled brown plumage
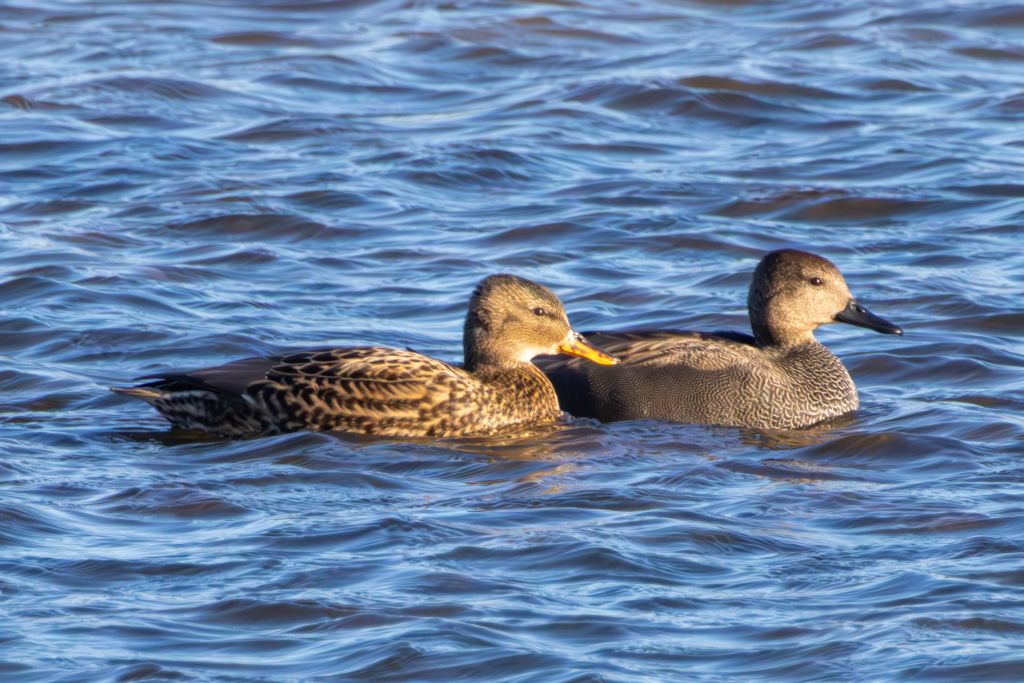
column 781, row 378
column 390, row 392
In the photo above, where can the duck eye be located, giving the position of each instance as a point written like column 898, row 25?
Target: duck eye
column 816, row 281
column 539, row 310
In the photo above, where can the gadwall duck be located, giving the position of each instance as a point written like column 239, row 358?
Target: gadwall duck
column 780, row 378
column 390, row 392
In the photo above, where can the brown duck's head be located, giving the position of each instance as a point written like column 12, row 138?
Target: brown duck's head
column 794, row 292
column 511, row 320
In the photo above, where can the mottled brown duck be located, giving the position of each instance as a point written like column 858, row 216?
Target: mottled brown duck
column 390, row 392
column 779, row 378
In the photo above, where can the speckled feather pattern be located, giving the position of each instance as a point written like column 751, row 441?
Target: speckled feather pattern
column 365, row 390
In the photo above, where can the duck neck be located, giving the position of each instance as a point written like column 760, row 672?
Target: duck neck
column 775, row 337
column 522, row 384
column 481, row 347
column 482, row 359
column 505, row 371
column 773, row 328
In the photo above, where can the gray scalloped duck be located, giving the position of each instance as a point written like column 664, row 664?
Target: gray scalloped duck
column 779, row 378
column 390, row 392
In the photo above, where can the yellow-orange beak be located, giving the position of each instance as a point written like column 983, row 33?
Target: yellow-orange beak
column 584, row 349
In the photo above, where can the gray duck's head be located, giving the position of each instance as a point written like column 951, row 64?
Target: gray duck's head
column 511, row 320
column 794, row 292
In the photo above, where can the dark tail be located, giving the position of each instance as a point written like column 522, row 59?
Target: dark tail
column 146, row 394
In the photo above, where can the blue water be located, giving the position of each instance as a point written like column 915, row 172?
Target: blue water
column 185, row 183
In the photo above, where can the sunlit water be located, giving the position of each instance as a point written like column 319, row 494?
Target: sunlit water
column 188, row 183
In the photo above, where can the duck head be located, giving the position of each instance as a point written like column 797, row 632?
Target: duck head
column 795, row 292
column 511, row 320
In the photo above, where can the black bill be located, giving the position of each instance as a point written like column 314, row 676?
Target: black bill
column 855, row 314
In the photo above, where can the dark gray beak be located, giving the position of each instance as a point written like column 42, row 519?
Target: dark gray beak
column 855, row 314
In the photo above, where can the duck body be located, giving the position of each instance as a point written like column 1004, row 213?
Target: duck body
column 780, row 377
column 713, row 379
column 361, row 390
column 389, row 392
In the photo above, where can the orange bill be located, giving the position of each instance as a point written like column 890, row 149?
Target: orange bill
column 584, row 349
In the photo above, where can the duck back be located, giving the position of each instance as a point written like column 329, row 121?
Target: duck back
column 715, row 379
column 361, row 390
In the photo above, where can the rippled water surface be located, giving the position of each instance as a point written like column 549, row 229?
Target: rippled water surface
column 183, row 183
